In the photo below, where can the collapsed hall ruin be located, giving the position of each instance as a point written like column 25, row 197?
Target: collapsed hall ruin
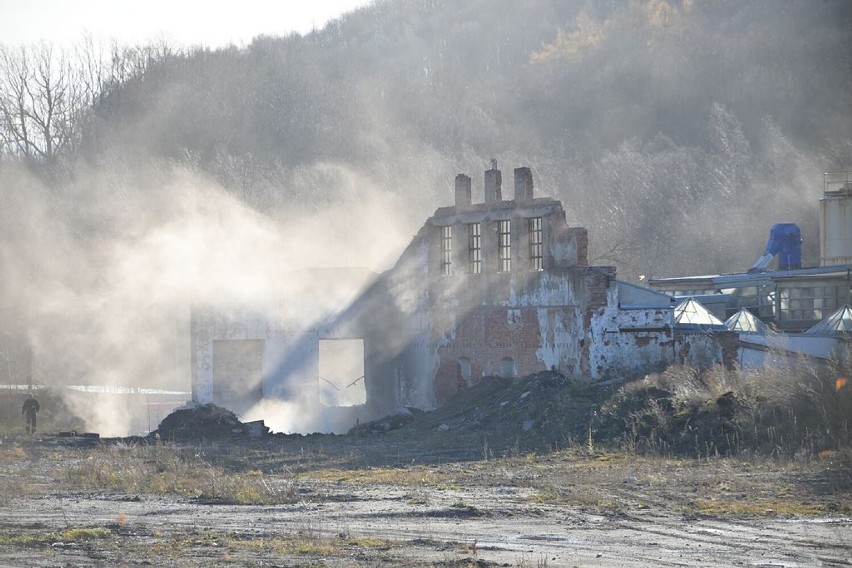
column 499, row 287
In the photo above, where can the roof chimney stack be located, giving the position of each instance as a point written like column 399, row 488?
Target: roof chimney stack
column 523, row 185
column 493, row 182
column 463, row 195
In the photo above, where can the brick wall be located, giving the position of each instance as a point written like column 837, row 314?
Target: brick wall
column 486, row 336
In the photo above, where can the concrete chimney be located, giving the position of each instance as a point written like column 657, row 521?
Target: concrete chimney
column 523, row 185
column 463, row 198
column 493, row 182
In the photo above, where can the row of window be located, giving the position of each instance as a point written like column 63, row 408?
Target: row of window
column 811, row 302
column 504, row 247
column 799, row 303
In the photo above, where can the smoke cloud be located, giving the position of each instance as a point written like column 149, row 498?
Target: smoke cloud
column 101, row 274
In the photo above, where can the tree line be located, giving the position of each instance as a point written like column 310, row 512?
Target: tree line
column 48, row 94
column 676, row 131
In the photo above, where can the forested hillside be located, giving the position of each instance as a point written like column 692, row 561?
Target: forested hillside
column 137, row 179
column 676, row 131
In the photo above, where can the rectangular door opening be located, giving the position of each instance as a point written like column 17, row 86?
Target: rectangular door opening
column 341, row 372
column 237, row 373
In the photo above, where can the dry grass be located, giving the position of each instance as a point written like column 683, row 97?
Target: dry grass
column 606, row 483
column 19, row 475
column 792, row 412
column 613, row 481
column 38, row 538
column 413, row 475
column 614, row 473
column 723, row 486
column 743, row 508
column 135, row 470
column 168, row 470
column 174, row 544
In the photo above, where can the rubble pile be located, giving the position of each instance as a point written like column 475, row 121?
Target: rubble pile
column 541, row 411
column 391, row 422
column 206, row 421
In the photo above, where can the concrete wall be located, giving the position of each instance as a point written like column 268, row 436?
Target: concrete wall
column 781, row 350
column 704, row 350
column 631, row 339
column 278, row 379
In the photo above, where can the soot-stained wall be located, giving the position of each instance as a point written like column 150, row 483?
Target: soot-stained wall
column 453, row 310
column 502, row 287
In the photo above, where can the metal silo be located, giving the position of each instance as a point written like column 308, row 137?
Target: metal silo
column 835, row 240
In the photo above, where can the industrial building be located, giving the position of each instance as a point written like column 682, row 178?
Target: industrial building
column 790, row 312
column 496, row 287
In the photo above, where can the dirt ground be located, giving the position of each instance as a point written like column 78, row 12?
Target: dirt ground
column 532, row 472
column 395, row 501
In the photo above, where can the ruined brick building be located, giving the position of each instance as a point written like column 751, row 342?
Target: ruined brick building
column 501, row 287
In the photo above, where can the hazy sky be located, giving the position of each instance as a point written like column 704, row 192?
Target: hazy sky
column 184, row 22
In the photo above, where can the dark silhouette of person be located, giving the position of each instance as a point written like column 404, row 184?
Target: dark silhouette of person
column 29, row 410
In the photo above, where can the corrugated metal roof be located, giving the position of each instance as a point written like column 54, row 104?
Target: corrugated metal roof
column 632, row 295
column 755, row 278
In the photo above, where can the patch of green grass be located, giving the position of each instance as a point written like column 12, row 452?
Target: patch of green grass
column 29, row 539
column 26, row 540
column 302, row 544
column 369, row 542
column 80, row 534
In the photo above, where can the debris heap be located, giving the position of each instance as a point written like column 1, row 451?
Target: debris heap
column 206, row 421
column 540, row 411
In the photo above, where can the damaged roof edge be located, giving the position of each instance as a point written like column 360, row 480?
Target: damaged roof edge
column 633, row 296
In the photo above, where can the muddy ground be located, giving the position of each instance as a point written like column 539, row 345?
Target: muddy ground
column 392, row 500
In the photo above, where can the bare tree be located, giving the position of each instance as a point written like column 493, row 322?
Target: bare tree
column 130, row 62
column 39, row 97
column 46, row 97
column 14, row 126
column 96, row 78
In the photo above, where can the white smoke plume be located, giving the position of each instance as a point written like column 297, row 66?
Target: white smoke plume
column 99, row 272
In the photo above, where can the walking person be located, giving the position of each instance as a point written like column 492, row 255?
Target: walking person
column 29, row 410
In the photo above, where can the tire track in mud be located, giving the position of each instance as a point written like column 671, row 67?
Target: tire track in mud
column 507, row 527
column 735, row 534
